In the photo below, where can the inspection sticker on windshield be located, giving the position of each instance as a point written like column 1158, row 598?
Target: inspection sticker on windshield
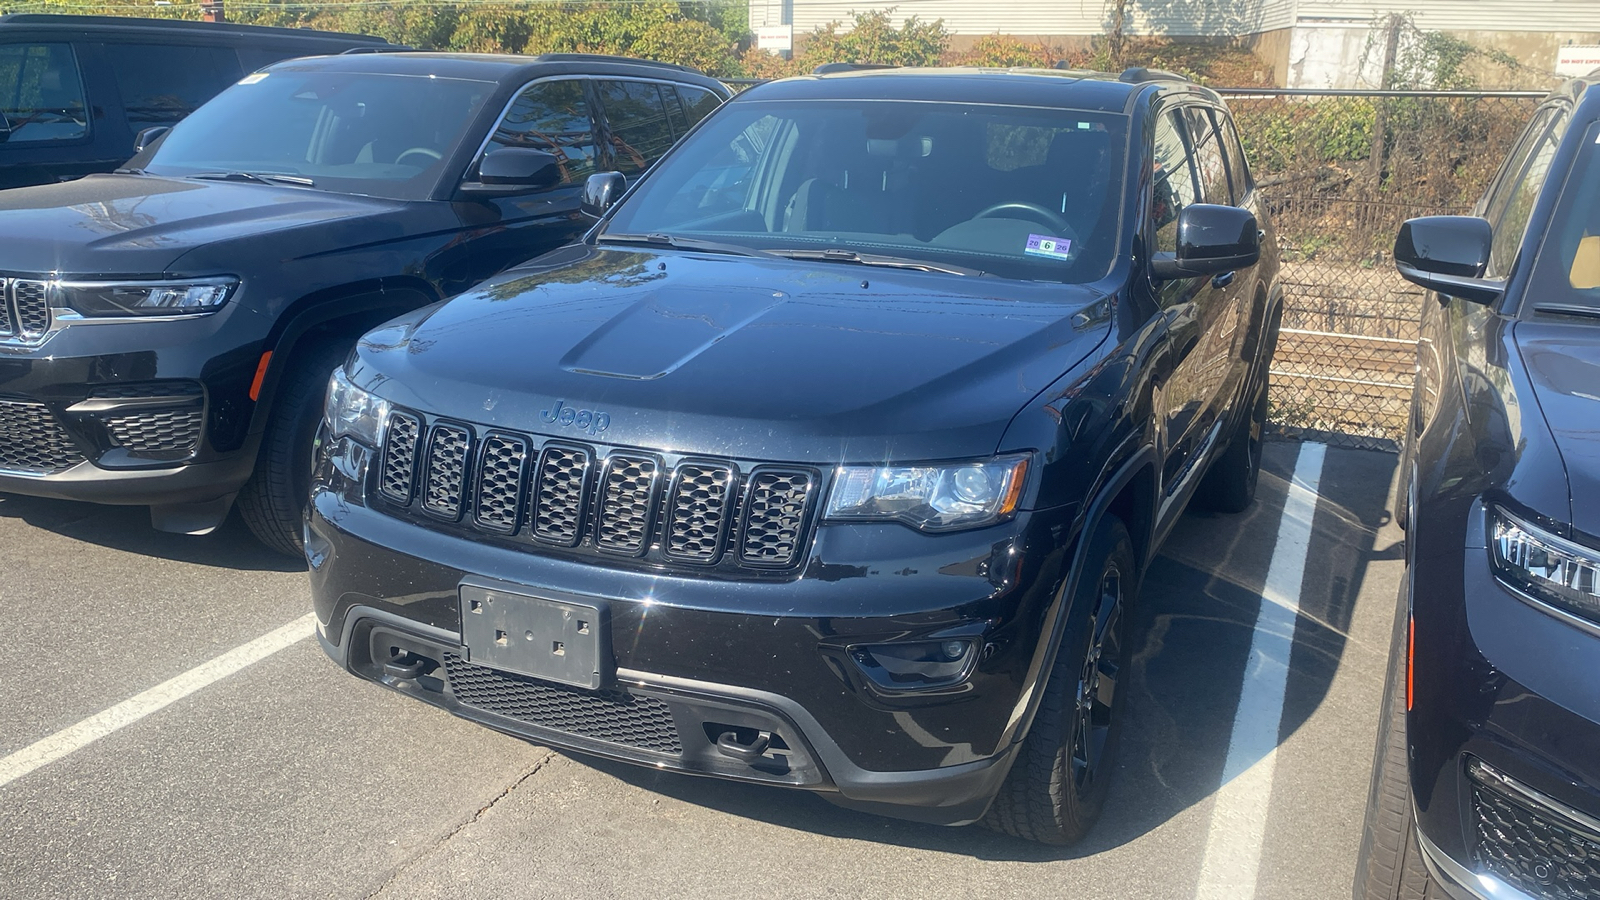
column 1045, row 245
column 253, row 78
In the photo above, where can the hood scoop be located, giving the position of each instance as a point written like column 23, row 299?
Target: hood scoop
column 666, row 329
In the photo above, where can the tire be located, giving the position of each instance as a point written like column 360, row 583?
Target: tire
column 272, row 503
column 1390, row 864
column 1057, row 785
column 1230, row 485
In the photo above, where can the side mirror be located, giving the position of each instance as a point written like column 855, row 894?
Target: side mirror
column 510, row 169
column 1448, row 254
column 601, row 192
column 149, row 136
column 1211, row 240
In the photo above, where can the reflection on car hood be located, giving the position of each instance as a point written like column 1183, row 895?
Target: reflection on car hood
column 1563, row 364
column 133, row 224
column 737, row 356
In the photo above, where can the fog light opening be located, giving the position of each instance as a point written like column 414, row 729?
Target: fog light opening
column 910, row 666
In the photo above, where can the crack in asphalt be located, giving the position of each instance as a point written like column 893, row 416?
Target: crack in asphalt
column 414, row 862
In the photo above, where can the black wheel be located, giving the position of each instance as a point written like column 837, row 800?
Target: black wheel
column 1058, row 783
column 1390, row 865
column 273, row 501
column 1230, row 485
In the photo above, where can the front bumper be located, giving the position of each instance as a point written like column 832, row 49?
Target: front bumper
column 700, row 657
column 661, row 722
column 137, row 413
column 1504, row 733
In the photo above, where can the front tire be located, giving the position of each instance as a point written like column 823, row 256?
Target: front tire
column 272, row 503
column 1390, row 865
column 1057, row 786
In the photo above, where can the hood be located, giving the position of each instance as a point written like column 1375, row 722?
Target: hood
column 142, row 224
column 751, row 358
column 1563, row 363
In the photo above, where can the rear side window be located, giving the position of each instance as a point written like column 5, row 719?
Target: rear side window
column 1208, row 158
column 1238, row 167
column 552, row 116
column 41, row 94
column 697, row 103
column 161, row 84
column 636, row 118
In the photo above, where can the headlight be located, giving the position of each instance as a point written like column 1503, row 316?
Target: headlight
column 1546, row 567
column 99, row 299
column 353, row 412
column 932, row 498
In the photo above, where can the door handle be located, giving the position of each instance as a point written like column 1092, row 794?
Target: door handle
column 1223, row 280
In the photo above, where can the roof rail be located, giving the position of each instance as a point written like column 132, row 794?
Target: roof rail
column 594, row 57
column 181, row 24
column 831, row 68
column 1140, row 74
column 380, row 48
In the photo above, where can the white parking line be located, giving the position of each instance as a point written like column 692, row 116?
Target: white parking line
column 1239, row 817
column 76, row 737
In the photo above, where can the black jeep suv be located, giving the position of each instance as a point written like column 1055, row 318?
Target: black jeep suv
column 833, row 455
column 1487, row 783
column 166, row 333
column 75, row 91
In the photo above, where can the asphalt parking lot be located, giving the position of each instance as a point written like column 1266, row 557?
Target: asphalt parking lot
column 288, row 778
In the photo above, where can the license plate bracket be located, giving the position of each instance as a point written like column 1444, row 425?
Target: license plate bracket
column 547, row 635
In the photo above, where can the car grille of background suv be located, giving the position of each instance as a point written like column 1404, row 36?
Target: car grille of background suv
column 614, row 716
column 33, row 441
column 1533, row 850
column 24, row 310
column 616, row 502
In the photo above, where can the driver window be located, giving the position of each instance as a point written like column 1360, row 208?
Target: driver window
column 552, row 116
column 1173, row 181
column 41, row 95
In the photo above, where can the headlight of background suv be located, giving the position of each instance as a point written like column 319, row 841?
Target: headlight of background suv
column 104, row 299
column 353, row 412
column 1548, row 568
column 941, row 497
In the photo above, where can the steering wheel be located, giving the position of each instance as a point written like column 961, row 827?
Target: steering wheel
column 433, row 155
column 1037, row 212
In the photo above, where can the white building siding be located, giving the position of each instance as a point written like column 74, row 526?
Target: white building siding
column 1463, row 15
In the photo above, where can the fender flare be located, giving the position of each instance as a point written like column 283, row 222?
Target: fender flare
column 364, row 304
column 1044, row 658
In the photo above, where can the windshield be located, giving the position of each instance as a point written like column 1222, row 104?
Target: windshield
column 1016, row 192
column 383, row 135
column 1568, row 273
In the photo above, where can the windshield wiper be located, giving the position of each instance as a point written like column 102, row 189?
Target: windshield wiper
column 678, row 243
column 1567, row 309
column 835, row 254
column 257, row 177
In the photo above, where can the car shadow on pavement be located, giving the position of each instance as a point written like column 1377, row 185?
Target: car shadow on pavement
column 1196, row 620
column 127, row 528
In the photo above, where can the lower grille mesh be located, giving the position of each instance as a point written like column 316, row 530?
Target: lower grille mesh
column 154, row 432
column 1532, row 851
column 616, row 717
column 32, row 440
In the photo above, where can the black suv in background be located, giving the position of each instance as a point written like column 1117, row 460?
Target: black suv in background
column 75, row 91
column 833, row 456
column 167, row 332
column 1487, row 784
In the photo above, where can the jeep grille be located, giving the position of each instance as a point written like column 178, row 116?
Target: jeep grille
column 590, row 500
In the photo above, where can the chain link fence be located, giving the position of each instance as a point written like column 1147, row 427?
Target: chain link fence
column 1340, row 172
